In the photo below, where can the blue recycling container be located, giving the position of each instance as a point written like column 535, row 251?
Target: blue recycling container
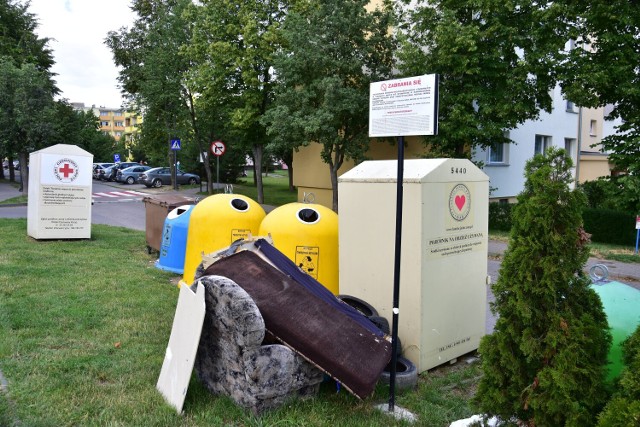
column 173, row 244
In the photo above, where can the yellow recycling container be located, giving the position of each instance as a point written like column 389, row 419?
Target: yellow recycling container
column 215, row 223
column 308, row 235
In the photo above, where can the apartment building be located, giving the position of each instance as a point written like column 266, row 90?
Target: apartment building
column 578, row 130
column 112, row 121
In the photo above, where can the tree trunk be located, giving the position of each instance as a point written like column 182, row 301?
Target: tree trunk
column 336, row 159
column 24, row 172
column 257, row 162
column 12, row 171
column 203, row 150
column 290, row 174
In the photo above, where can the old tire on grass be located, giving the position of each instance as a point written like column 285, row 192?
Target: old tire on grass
column 383, row 324
column 406, row 374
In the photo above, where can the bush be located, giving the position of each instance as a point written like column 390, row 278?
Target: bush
column 604, row 225
column 545, row 363
column 500, row 216
column 609, row 226
column 624, row 408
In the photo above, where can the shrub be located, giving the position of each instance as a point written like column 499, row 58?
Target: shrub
column 609, row 226
column 624, row 407
column 545, row 363
column 500, row 216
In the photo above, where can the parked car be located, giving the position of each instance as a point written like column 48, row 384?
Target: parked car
column 97, row 167
column 157, row 177
column 130, row 175
column 16, row 164
column 111, row 172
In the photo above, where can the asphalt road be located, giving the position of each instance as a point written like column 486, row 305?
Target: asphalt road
column 117, row 210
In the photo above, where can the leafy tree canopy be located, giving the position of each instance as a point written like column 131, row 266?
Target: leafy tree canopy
column 332, row 51
column 495, row 60
column 602, row 68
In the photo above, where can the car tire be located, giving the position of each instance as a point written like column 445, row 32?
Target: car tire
column 130, row 180
column 383, row 324
column 406, row 374
column 192, row 181
column 157, row 183
column 362, row 306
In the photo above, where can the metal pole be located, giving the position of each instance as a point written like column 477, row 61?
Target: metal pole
column 175, row 169
column 217, row 172
column 396, row 276
column 637, row 238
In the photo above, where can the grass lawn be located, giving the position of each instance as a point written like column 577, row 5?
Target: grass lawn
column 84, row 326
column 275, row 188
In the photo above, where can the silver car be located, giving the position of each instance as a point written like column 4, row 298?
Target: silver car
column 157, row 177
column 130, row 175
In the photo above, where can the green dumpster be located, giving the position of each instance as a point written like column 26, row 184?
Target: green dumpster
column 621, row 304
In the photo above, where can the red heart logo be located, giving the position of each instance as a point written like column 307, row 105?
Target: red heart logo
column 460, row 201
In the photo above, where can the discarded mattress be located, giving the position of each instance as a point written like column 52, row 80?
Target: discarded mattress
column 347, row 351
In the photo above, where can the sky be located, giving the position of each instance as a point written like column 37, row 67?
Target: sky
column 84, row 64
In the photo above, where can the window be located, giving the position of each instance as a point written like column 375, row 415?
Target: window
column 104, row 123
column 571, row 108
column 542, row 143
column 497, row 154
column 593, row 128
column 119, row 124
column 570, row 147
column 104, row 113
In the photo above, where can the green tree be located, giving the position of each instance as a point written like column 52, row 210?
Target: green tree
column 19, row 45
column 153, row 77
column 496, row 64
column 26, row 111
column 232, row 51
column 545, row 362
column 602, row 69
column 18, row 39
column 80, row 128
column 333, row 50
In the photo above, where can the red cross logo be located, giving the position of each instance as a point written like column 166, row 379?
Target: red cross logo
column 66, row 170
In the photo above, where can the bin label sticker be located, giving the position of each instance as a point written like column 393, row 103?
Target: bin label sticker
column 307, row 259
column 166, row 235
column 444, row 246
column 239, row 233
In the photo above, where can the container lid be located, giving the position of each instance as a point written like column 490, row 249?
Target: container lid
column 415, row 171
column 172, row 200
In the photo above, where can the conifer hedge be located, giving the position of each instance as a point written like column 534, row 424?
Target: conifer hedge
column 604, row 225
column 545, row 362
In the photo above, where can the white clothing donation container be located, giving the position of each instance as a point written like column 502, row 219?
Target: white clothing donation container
column 443, row 269
column 60, row 184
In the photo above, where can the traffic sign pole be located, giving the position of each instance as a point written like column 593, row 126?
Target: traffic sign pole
column 217, row 149
column 175, row 146
column 637, row 232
